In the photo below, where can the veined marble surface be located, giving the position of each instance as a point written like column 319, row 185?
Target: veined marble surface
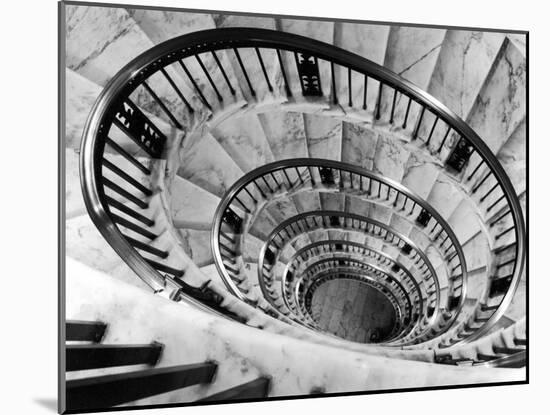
column 512, row 156
column 80, row 95
column 205, row 163
column 420, row 174
column 324, row 136
column 444, row 196
column 296, row 366
column 463, row 63
column 101, row 40
column 368, row 41
column 285, row 133
column 196, row 244
column 411, row 53
column 390, row 158
column 500, row 106
column 191, row 206
column 243, row 138
column 358, row 145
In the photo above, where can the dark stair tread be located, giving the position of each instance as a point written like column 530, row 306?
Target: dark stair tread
column 255, row 389
column 94, row 356
column 101, row 392
column 77, row 330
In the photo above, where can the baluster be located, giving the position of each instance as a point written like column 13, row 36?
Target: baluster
column 379, row 100
column 407, row 113
column 287, row 88
column 350, row 102
column 162, row 105
column 334, row 93
column 178, row 91
column 444, row 139
column 263, row 69
column 224, row 74
column 194, row 83
column 393, row 105
column 418, row 124
column 432, row 131
column 220, row 98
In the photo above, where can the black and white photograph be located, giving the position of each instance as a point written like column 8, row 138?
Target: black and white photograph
column 269, row 206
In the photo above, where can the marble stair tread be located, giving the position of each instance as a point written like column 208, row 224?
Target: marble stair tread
column 205, row 163
column 512, row 156
column 318, row 30
column 462, row 66
column 390, row 158
column 285, row 133
column 501, row 104
column 411, row 52
column 324, row 136
column 251, row 248
column 358, row 145
column 262, row 224
column 250, row 59
column 196, row 244
column 191, row 206
column 244, row 140
column 420, row 174
column 477, row 253
column 80, row 94
column 85, row 244
column 464, row 221
column 368, row 41
column 163, row 25
column 444, row 196
column 101, row 40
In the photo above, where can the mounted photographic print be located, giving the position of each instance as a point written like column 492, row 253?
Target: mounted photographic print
column 261, row 206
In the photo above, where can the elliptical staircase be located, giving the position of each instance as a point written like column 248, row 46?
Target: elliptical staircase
column 250, row 174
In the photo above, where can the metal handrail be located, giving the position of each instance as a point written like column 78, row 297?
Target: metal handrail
column 360, row 218
column 269, row 169
column 141, row 68
column 297, row 255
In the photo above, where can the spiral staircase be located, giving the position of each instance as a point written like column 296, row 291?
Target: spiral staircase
column 318, row 207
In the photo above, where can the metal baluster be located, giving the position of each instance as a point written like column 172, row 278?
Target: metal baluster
column 379, row 100
column 475, row 170
column 220, row 98
column 365, row 82
column 178, row 91
column 393, row 105
column 129, row 179
column 489, row 192
column 334, row 93
column 130, row 212
column 287, row 88
column 201, row 95
column 476, row 187
column 350, row 102
column 444, row 139
column 222, row 70
column 244, row 72
column 417, row 128
column 127, row 156
column 432, row 131
column 499, row 218
column 161, row 104
column 407, row 113
column 263, row 69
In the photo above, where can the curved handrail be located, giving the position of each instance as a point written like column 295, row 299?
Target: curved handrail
column 298, row 254
column 151, row 61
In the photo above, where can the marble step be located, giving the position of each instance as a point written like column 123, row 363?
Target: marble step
column 500, row 106
column 80, row 94
column 285, row 133
column 358, row 145
column 465, row 59
column 205, row 163
column 101, row 40
column 163, row 25
column 368, row 41
column 243, row 138
column 412, row 53
column 324, row 136
column 318, row 30
column 513, row 157
column 191, row 206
